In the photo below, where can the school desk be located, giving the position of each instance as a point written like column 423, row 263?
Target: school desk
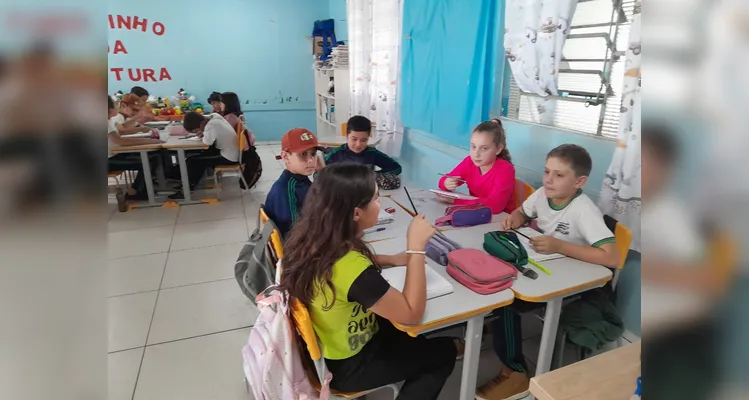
column 462, row 305
column 426, row 203
column 608, row 376
column 180, row 145
column 395, row 229
column 143, row 149
column 568, row 277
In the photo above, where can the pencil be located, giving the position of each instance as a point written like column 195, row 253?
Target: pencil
column 521, row 234
column 454, row 177
column 537, row 265
column 411, row 201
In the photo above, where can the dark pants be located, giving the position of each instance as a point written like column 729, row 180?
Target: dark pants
column 196, row 165
column 507, row 335
column 131, row 162
column 392, row 356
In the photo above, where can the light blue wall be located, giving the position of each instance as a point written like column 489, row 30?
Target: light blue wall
column 338, row 13
column 259, row 49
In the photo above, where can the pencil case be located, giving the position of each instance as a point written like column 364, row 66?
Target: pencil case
column 467, row 215
column 479, row 271
column 439, row 246
column 506, row 246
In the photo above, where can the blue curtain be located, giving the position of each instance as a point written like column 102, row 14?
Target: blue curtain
column 447, row 77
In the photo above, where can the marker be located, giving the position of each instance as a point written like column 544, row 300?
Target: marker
column 409, row 199
column 454, row 177
column 537, row 265
column 373, row 230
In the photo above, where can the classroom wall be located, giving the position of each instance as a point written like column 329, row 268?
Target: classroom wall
column 337, row 10
column 258, row 49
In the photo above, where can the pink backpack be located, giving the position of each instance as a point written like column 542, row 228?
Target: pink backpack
column 479, row 271
column 272, row 363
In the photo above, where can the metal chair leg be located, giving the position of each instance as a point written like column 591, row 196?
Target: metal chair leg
column 215, row 184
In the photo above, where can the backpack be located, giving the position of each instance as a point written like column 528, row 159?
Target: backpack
column 272, row 362
column 253, row 167
column 255, row 268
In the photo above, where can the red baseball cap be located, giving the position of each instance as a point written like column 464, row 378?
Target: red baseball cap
column 299, row 140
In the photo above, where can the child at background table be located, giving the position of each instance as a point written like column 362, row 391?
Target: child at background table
column 573, row 226
column 335, row 274
column 223, row 150
column 126, row 161
column 488, row 170
column 286, row 197
column 126, row 120
column 356, row 150
column 145, row 113
column 215, row 101
column 232, row 112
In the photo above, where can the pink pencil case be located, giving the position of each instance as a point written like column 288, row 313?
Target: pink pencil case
column 479, row 271
column 468, row 215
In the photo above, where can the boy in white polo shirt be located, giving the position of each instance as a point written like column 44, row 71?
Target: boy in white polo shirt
column 572, row 225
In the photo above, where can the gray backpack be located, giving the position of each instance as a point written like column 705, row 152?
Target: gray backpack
column 255, row 268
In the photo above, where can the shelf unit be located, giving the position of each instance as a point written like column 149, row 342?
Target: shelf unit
column 331, row 109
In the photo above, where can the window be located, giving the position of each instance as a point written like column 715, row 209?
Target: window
column 591, row 72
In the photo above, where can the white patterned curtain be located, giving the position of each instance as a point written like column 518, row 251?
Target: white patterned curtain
column 535, row 31
column 374, row 59
column 620, row 195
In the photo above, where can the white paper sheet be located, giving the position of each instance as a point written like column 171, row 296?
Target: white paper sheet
column 436, row 284
column 453, row 195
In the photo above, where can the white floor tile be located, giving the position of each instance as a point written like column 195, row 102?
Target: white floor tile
column 205, row 264
column 129, row 319
column 210, row 233
column 140, row 218
column 123, row 369
column 210, row 212
column 208, row 367
column 139, row 241
column 190, row 311
column 136, row 274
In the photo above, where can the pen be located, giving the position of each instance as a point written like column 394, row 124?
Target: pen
column 373, row 230
column 409, row 199
column 454, row 177
column 537, row 265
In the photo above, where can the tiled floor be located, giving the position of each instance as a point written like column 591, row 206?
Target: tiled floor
column 177, row 320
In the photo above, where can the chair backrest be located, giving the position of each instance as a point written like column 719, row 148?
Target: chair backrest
column 275, row 238
column 241, row 138
column 623, row 237
column 521, row 193
column 303, row 322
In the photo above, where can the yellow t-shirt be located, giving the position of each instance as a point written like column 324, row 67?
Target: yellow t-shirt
column 345, row 327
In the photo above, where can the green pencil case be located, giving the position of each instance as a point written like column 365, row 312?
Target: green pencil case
column 506, row 246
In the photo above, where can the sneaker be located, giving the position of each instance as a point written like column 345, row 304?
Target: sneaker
column 512, row 386
column 177, row 196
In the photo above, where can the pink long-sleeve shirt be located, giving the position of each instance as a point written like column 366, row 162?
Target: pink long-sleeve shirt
column 493, row 189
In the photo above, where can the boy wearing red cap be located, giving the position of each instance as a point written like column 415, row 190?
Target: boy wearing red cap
column 299, row 149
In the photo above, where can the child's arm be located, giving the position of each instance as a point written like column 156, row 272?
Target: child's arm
column 460, row 171
column 123, row 128
column 387, row 165
column 500, row 193
column 121, row 141
column 331, row 156
column 605, row 254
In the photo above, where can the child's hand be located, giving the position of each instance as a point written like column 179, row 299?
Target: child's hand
column 546, row 244
column 452, row 183
column 445, row 199
column 144, row 129
column 512, row 221
column 419, row 233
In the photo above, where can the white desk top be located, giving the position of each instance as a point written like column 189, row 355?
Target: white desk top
column 449, row 309
column 425, row 202
column 395, row 229
column 568, row 276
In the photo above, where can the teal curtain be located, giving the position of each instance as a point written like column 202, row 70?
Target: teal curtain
column 448, row 63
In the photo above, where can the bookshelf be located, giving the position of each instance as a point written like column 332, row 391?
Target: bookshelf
column 331, row 109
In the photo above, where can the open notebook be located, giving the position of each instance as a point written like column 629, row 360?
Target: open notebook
column 384, row 218
column 436, row 285
column 454, row 195
column 529, row 248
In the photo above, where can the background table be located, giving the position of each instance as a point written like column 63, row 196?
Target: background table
column 608, row 376
column 462, row 305
column 396, row 229
column 568, row 277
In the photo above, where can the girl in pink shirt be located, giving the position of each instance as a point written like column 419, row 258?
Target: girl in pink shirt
column 487, row 171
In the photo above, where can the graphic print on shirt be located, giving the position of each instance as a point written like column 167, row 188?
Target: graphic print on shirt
column 362, row 326
column 563, row 228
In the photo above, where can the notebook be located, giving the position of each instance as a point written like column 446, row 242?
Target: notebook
column 453, row 195
column 138, row 135
column 436, row 285
column 384, row 218
column 529, row 247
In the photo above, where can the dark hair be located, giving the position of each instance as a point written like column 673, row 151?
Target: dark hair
column 327, row 230
column 192, row 121
column 358, row 123
column 576, row 156
column 215, row 96
column 139, row 91
column 231, row 103
column 494, row 127
column 110, row 102
column 662, row 141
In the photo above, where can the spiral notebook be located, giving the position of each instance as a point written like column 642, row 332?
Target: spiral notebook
column 436, row 285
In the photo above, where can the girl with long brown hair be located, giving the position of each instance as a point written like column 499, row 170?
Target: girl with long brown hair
column 329, row 268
